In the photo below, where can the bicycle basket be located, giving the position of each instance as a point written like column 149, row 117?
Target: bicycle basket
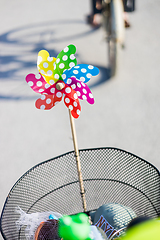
column 109, row 175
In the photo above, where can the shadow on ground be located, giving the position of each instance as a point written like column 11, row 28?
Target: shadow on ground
column 20, row 47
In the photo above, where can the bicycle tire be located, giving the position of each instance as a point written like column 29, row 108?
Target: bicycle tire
column 114, row 27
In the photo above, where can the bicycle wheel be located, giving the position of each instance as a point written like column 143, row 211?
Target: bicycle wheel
column 114, row 27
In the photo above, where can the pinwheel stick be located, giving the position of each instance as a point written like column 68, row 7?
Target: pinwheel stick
column 78, row 161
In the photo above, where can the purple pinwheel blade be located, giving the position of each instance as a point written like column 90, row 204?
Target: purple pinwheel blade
column 82, row 89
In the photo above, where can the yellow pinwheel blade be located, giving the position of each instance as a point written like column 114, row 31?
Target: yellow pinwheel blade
column 45, row 65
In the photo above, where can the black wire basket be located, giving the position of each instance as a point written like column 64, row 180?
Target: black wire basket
column 110, row 175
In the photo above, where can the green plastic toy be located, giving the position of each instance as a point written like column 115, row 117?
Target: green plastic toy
column 76, row 227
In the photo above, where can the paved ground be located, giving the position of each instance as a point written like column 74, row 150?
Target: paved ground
column 127, row 109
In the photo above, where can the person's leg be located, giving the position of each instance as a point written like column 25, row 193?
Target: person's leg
column 125, row 15
column 97, row 10
column 95, row 17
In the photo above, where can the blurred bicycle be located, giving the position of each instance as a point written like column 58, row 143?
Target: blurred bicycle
column 114, row 21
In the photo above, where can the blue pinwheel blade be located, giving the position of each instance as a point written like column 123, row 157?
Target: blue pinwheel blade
column 82, row 72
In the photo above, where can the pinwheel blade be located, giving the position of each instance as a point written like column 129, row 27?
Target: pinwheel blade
column 71, row 101
column 65, row 60
column 45, row 65
column 46, row 102
column 82, row 89
column 37, row 82
column 83, row 72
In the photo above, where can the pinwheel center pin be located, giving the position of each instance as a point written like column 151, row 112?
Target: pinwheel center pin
column 60, row 85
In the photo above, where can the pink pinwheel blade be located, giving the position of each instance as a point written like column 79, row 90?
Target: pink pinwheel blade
column 37, row 83
column 82, row 89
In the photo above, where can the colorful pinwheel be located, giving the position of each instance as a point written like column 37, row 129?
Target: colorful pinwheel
column 62, row 77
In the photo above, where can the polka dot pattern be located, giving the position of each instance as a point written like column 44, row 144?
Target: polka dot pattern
column 72, row 64
column 73, row 104
column 65, row 60
column 38, row 76
column 45, row 65
column 45, row 102
column 53, row 96
column 65, row 57
column 38, row 85
column 82, row 90
column 82, row 72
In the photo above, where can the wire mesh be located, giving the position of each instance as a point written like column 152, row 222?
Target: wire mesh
column 109, row 174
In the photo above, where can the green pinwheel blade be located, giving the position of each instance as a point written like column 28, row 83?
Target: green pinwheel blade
column 65, row 60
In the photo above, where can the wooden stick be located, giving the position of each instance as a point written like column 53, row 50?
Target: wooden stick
column 78, row 161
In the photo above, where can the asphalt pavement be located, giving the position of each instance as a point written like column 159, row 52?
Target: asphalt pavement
column 126, row 112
